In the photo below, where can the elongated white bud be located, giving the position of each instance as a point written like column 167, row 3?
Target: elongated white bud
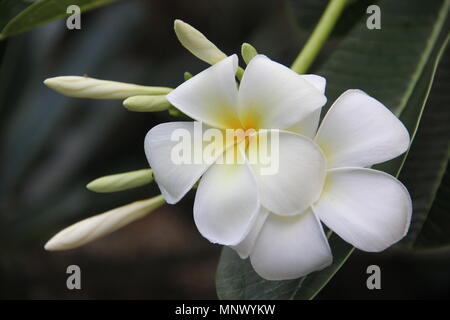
column 121, row 181
column 100, row 225
column 197, row 43
column 146, row 103
column 85, row 87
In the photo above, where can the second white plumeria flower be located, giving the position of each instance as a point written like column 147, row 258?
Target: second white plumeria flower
column 367, row 208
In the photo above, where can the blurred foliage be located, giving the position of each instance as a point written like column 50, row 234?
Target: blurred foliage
column 51, row 146
column 426, row 170
column 22, row 15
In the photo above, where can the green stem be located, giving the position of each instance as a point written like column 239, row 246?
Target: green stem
column 319, row 36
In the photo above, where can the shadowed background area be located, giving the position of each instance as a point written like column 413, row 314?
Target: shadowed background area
column 52, row 146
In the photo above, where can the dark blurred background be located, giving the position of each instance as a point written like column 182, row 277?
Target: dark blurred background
column 52, row 146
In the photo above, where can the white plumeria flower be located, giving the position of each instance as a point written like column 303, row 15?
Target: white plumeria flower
column 274, row 219
column 227, row 201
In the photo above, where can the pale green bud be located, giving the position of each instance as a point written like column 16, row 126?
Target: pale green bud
column 187, row 76
column 248, row 52
column 85, row 87
column 100, row 225
column 146, row 103
column 174, row 112
column 121, row 181
column 197, row 43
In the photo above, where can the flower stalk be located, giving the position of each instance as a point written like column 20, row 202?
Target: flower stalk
column 318, row 37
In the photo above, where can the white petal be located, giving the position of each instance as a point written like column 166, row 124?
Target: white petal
column 367, row 208
column 360, row 131
column 173, row 178
column 290, row 247
column 308, row 125
column 244, row 248
column 317, row 81
column 226, row 203
column 211, row 95
column 273, row 96
column 291, row 177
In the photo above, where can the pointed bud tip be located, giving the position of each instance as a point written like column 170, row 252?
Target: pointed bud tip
column 51, row 245
column 90, row 186
column 49, row 82
column 127, row 104
column 179, row 23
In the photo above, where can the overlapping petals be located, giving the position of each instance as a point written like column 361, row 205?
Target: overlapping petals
column 308, row 125
column 273, row 96
column 270, row 95
column 226, row 202
column 299, row 175
column 290, row 247
column 174, row 179
column 367, row 208
column 210, row 96
column 213, row 98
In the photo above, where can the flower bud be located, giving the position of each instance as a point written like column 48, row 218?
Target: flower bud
column 100, row 225
column 248, row 52
column 146, row 103
column 85, row 87
column 197, row 43
column 187, row 75
column 121, row 181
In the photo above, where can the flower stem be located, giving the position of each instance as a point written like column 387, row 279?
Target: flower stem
column 319, row 36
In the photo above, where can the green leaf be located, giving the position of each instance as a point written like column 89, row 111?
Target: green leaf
column 44, row 11
column 424, row 171
column 434, row 232
column 396, row 65
column 9, row 9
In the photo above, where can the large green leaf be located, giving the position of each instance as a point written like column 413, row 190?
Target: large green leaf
column 41, row 12
column 396, row 65
column 424, row 172
column 434, row 232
